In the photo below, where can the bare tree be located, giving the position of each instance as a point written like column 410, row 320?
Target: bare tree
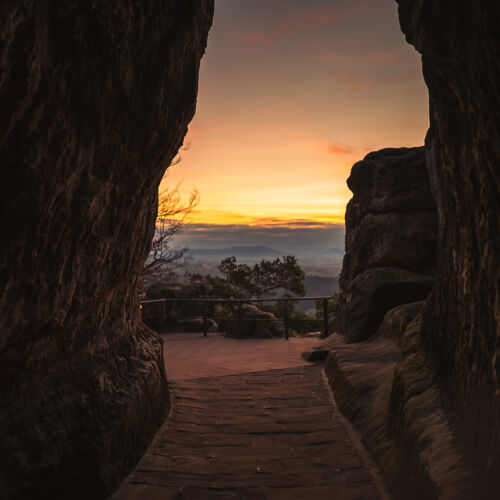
column 164, row 257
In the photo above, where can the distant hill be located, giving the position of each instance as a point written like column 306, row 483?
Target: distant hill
column 255, row 252
column 334, row 251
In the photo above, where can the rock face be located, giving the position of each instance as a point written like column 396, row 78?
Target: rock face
column 391, row 228
column 460, row 329
column 430, row 415
column 372, row 294
column 384, row 387
column 95, row 98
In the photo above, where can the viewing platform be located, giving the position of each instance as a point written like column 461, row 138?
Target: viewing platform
column 250, row 419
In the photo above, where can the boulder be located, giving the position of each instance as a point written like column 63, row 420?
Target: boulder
column 391, row 229
column 252, row 322
column 391, row 180
column 406, row 240
column 397, row 320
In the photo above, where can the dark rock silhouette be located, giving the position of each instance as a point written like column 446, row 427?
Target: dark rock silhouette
column 397, row 320
column 391, row 229
column 423, row 391
column 371, row 294
column 459, row 333
column 95, row 100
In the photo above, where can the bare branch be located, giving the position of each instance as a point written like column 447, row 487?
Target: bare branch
column 164, row 257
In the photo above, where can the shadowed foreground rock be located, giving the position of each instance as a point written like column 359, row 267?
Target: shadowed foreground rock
column 460, row 326
column 95, row 98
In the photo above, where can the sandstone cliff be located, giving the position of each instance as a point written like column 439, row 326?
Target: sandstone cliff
column 424, row 390
column 460, row 327
column 391, row 229
column 95, row 98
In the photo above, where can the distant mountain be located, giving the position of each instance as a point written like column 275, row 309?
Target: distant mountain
column 334, row 251
column 239, row 251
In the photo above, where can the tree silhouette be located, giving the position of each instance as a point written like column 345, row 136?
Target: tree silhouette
column 265, row 277
column 164, row 257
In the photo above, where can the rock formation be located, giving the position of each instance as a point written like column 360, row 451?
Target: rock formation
column 95, row 98
column 391, row 228
column 460, row 326
column 429, row 411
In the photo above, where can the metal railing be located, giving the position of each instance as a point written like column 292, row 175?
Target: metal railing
column 165, row 315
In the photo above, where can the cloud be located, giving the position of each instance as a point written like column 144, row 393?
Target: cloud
column 377, row 57
column 306, row 16
column 261, row 222
column 299, row 237
column 340, row 149
column 299, row 19
column 321, row 17
column 256, row 39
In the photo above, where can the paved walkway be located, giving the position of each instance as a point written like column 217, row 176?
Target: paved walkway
column 250, row 420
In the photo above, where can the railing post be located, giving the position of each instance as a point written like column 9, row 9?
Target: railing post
column 286, row 319
column 325, row 317
column 205, row 321
column 162, row 319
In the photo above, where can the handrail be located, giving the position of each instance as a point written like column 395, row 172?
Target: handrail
column 323, row 298
column 319, row 297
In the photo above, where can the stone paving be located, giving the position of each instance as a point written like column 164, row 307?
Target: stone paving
column 250, row 419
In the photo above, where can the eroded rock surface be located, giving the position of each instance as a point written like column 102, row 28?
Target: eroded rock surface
column 386, row 389
column 391, row 229
column 95, row 98
column 431, row 417
column 460, row 330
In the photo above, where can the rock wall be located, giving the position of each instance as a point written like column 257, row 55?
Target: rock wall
column 391, row 229
column 430, row 410
column 460, row 333
column 95, row 99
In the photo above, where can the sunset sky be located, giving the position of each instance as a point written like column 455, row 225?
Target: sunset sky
column 292, row 93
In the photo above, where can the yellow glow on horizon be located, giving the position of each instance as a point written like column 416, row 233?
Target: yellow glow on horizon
column 302, row 182
column 276, row 141
column 210, row 217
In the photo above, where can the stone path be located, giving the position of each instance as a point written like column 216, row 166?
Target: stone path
column 250, row 431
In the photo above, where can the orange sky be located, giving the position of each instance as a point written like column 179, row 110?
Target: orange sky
column 292, row 93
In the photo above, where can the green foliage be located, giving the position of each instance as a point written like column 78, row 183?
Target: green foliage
column 331, row 306
column 219, row 287
column 282, row 277
column 265, row 277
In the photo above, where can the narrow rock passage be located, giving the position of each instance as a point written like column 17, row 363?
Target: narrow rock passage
column 262, row 434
